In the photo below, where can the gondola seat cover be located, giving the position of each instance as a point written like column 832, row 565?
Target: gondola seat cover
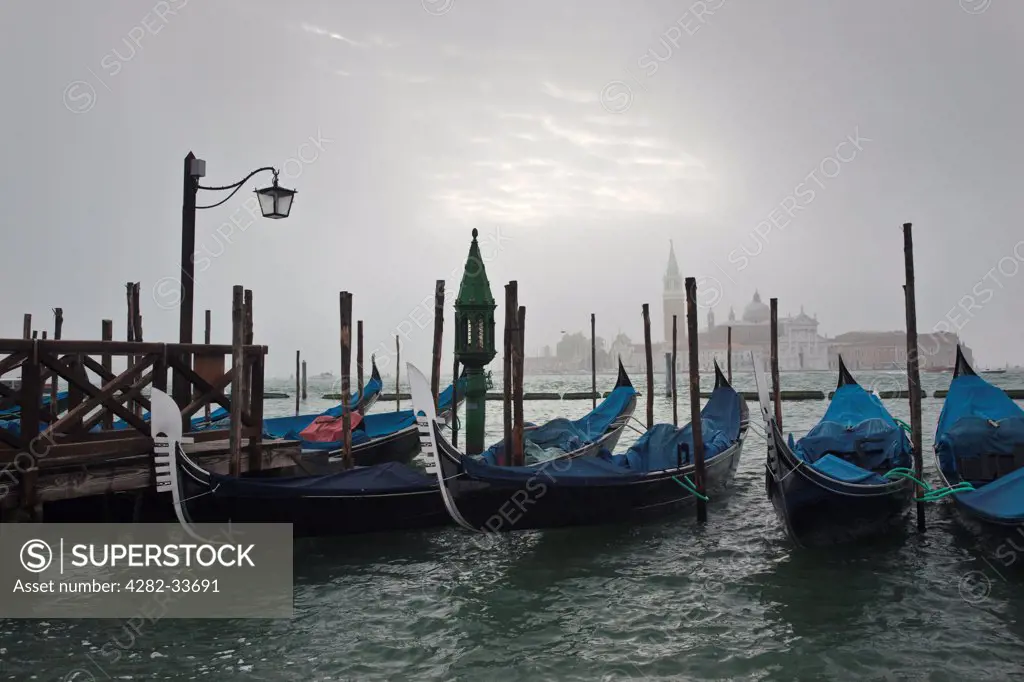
column 657, row 449
column 841, row 470
column 978, row 420
column 326, row 429
column 391, row 477
column 568, row 435
column 856, row 427
column 1002, row 499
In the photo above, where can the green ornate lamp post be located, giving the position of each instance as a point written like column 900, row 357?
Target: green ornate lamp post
column 474, row 342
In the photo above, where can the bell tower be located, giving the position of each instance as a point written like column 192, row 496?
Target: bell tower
column 674, row 296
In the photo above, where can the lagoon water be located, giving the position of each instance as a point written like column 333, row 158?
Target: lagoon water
column 732, row 600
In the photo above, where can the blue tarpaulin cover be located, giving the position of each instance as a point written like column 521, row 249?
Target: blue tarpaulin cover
column 856, row 427
column 977, row 418
column 980, row 420
column 372, row 426
column 382, row 478
column 582, row 471
column 566, row 435
column 841, row 470
column 657, row 449
column 1002, row 499
column 654, row 451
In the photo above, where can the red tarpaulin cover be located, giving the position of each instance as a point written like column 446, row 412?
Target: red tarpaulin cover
column 328, row 429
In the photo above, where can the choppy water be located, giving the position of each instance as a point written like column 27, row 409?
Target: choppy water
column 668, row 600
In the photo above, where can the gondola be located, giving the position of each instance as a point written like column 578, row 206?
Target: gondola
column 599, row 429
column 979, row 444
column 651, row 479
column 382, row 497
column 376, row 438
column 831, row 485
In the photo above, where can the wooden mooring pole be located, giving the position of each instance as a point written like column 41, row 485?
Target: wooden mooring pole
column 206, row 340
column 913, row 367
column 650, row 365
column 58, row 327
column 593, row 360
column 698, row 435
column 26, row 330
column 304, row 384
column 237, row 332
column 247, row 339
column 435, row 358
column 359, row 356
column 345, row 307
column 455, row 398
column 675, row 391
column 668, row 374
column 298, row 370
column 511, row 310
column 107, row 334
column 398, row 374
column 518, row 360
column 728, row 354
column 776, row 388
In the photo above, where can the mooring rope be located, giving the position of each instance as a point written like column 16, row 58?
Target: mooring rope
column 690, row 486
column 930, row 494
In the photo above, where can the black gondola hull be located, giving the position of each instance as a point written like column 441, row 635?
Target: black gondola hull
column 816, row 510
column 540, row 502
column 313, row 516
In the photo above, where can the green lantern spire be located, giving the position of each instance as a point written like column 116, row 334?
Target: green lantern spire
column 474, row 341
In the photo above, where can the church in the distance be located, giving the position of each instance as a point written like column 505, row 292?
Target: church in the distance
column 801, row 347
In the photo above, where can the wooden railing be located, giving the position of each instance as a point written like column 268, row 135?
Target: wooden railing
column 82, row 431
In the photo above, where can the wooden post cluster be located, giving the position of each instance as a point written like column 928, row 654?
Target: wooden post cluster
column 345, row 307
column 913, row 367
column 776, row 388
column 650, row 365
column 698, row 435
column 435, row 358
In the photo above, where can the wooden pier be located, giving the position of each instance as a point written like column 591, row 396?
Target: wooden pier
column 99, row 441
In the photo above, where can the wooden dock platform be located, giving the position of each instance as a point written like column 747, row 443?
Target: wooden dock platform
column 97, row 439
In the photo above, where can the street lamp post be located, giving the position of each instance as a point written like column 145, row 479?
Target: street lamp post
column 275, row 202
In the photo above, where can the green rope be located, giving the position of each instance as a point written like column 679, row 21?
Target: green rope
column 930, row 494
column 904, row 425
column 690, row 486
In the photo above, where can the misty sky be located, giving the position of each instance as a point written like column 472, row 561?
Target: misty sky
column 780, row 145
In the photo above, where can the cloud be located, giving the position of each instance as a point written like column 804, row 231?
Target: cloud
column 372, row 41
column 575, row 96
